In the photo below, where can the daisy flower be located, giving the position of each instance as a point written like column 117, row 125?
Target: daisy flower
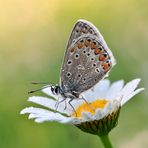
column 99, row 115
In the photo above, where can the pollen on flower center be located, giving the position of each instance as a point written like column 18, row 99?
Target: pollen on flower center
column 91, row 107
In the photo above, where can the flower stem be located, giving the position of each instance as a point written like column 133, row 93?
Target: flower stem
column 106, row 141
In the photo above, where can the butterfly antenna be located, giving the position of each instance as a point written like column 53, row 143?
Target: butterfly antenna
column 33, row 82
column 32, row 91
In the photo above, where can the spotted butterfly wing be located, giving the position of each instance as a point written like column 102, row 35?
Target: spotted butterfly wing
column 87, row 59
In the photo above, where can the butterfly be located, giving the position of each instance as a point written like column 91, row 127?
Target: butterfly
column 87, row 60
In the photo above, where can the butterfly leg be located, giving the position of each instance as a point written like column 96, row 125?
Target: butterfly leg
column 89, row 104
column 58, row 102
column 84, row 100
column 69, row 102
column 65, row 105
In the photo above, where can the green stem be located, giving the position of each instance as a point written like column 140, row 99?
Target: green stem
column 106, row 141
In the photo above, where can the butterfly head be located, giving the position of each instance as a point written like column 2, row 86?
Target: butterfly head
column 58, row 90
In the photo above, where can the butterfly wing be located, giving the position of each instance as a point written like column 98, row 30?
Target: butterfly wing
column 87, row 59
column 82, row 27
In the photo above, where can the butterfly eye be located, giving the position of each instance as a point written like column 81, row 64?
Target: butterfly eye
column 56, row 90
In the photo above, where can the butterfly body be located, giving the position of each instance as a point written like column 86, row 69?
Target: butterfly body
column 87, row 60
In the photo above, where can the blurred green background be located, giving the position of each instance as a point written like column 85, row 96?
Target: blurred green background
column 33, row 37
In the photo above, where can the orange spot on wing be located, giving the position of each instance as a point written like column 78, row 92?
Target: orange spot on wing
column 80, row 45
column 105, row 66
column 97, row 51
column 86, row 43
column 102, row 57
column 72, row 49
column 93, row 46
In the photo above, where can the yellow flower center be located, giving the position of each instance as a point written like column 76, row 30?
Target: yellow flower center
column 91, row 107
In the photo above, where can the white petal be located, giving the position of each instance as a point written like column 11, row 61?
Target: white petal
column 112, row 106
column 72, row 121
column 77, row 102
column 33, row 110
column 63, row 120
column 104, row 112
column 101, row 88
column 98, row 91
column 87, row 116
column 98, row 114
column 128, row 89
column 114, row 89
column 42, row 115
column 32, row 116
column 46, row 102
column 131, row 95
column 40, row 120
